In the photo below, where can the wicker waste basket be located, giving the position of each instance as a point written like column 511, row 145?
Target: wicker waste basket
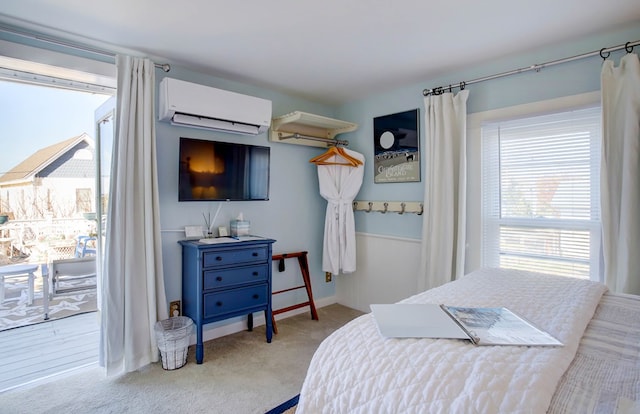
column 173, row 336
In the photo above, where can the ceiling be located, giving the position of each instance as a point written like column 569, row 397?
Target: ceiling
column 330, row 51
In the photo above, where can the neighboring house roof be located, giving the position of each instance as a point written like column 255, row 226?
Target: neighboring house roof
column 42, row 158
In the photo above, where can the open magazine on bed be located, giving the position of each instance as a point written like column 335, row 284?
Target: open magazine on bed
column 482, row 326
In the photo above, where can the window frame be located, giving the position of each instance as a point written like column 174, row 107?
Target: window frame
column 475, row 216
column 517, row 226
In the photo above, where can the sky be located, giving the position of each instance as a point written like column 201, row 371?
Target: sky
column 34, row 117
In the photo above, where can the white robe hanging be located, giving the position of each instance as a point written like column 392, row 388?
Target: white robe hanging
column 339, row 185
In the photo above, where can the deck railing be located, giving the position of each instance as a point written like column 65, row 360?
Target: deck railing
column 42, row 240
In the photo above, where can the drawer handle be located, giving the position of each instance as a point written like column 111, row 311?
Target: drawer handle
column 256, row 273
column 219, row 258
column 219, row 278
column 256, row 296
column 255, row 254
column 218, row 303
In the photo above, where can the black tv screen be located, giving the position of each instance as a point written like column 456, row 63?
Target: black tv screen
column 216, row 171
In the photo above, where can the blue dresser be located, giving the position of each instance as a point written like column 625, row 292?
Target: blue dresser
column 224, row 280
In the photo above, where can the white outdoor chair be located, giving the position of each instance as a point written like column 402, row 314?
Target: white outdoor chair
column 62, row 274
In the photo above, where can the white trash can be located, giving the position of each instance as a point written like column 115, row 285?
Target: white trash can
column 172, row 336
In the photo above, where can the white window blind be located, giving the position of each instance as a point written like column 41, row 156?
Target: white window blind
column 541, row 190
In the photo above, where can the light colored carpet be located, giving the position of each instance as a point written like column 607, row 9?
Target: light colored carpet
column 241, row 373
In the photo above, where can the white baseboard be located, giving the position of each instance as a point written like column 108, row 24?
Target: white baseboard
column 258, row 320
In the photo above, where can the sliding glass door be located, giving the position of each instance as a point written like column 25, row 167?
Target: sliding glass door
column 105, row 131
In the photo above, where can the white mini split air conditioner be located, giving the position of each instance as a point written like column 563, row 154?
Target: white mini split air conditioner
column 198, row 106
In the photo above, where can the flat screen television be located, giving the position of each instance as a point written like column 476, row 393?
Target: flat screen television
column 222, row 171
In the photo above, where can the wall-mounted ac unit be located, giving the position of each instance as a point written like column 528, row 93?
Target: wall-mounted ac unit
column 198, row 106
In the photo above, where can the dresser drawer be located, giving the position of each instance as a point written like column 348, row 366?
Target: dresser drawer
column 232, row 300
column 235, row 256
column 219, row 278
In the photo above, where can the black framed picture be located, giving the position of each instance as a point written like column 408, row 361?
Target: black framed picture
column 396, row 148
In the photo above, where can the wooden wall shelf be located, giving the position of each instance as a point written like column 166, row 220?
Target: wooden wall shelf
column 292, row 128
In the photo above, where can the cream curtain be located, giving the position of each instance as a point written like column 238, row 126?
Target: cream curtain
column 133, row 290
column 443, row 227
column 620, row 174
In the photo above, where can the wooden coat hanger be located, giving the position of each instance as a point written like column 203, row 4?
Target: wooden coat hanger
column 337, row 152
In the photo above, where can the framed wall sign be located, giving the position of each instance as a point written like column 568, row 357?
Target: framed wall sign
column 396, row 148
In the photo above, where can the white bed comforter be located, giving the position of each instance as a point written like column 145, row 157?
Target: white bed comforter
column 356, row 370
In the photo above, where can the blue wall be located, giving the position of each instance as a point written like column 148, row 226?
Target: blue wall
column 294, row 215
column 562, row 80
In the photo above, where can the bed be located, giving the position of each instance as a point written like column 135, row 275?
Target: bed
column 356, row 370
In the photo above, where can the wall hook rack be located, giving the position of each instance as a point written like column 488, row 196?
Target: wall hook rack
column 400, row 207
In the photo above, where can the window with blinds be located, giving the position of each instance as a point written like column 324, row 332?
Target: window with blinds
column 541, row 193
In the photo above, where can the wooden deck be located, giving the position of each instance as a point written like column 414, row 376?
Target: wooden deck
column 43, row 351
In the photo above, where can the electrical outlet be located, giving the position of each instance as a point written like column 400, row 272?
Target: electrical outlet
column 174, row 309
column 327, row 277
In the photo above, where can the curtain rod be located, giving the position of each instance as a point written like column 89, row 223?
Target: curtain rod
column 604, row 53
column 164, row 66
column 329, row 141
